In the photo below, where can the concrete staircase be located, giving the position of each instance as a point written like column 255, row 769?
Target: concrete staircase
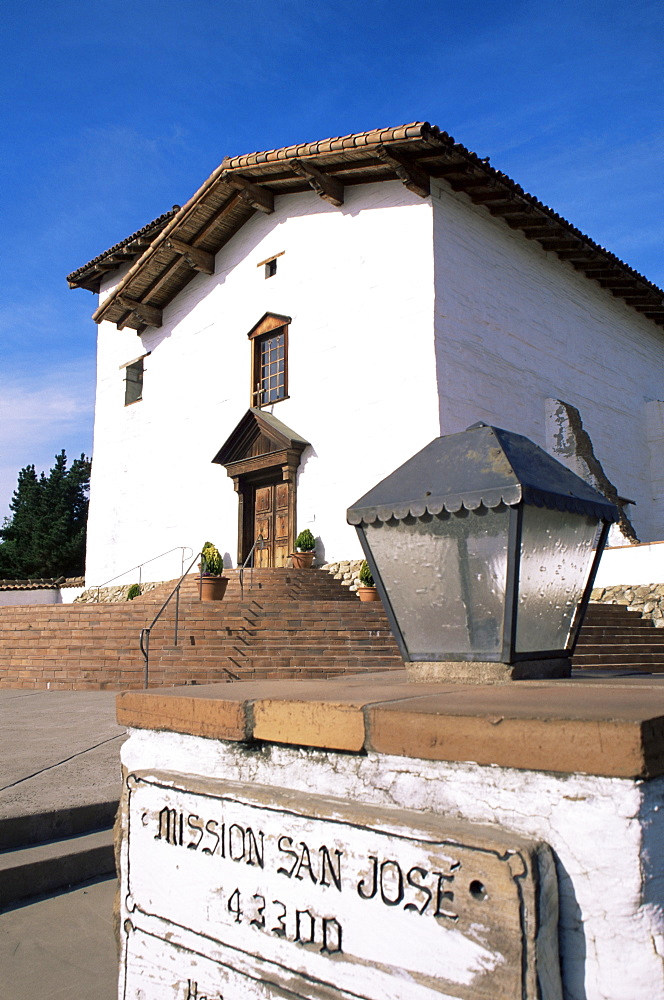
column 287, row 623
column 49, row 851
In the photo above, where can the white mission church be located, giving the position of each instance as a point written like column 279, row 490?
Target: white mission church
column 314, row 315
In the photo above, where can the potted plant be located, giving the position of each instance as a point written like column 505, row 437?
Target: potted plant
column 305, row 543
column 213, row 582
column 367, row 589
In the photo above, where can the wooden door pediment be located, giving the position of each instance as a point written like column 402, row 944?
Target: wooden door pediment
column 262, row 455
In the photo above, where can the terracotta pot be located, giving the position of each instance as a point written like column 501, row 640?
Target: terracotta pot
column 302, row 560
column 367, row 594
column 213, row 588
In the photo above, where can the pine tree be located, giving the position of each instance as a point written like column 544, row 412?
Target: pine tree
column 45, row 536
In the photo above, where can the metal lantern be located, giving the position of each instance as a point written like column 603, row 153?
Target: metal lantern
column 484, row 549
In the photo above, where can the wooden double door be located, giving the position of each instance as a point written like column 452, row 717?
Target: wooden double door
column 272, row 522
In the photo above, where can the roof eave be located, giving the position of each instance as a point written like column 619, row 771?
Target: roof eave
column 412, row 153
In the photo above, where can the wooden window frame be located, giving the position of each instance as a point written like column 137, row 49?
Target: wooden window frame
column 134, row 367
column 270, row 325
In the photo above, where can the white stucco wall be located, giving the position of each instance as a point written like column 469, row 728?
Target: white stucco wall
column 369, row 384
column 607, row 835
column 358, row 284
column 631, row 564
column 515, row 325
column 17, row 598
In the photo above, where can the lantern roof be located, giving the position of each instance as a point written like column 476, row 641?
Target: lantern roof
column 481, row 466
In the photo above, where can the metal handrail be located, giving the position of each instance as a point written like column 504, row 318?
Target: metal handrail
column 141, row 565
column 261, row 545
column 144, row 639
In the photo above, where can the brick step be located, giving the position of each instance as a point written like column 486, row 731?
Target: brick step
column 646, row 630
column 303, row 623
column 629, row 624
column 611, row 613
column 641, row 668
column 619, row 647
column 284, row 656
column 292, row 623
column 610, row 656
column 273, row 581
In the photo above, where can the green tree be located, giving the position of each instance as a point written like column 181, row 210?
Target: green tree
column 45, row 535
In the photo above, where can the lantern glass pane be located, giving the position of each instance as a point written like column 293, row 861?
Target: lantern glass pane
column 445, row 578
column 556, row 559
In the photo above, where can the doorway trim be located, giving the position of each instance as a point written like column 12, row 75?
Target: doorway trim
column 259, row 450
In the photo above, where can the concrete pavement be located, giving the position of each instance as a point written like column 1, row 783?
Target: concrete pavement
column 59, row 778
column 61, row 946
column 58, row 749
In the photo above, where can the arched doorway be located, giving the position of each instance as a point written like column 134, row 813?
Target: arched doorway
column 262, row 456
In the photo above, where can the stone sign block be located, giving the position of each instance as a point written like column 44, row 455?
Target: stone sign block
column 238, row 891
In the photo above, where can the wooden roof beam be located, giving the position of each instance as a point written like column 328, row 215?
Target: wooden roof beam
column 144, row 312
column 524, row 222
column 198, row 260
column 540, row 232
column 556, row 243
column 255, row 195
column 131, row 321
column 156, row 289
column 327, row 187
column 583, row 255
column 642, row 302
column 409, row 173
column 488, row 197
column 217, row 216
column 619, row 283
column 509, row 206
column 596, row 269
column 461, row 167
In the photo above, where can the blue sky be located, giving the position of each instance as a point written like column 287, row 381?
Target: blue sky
column 114, row 112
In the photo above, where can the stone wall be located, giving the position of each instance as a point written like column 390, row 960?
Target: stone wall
column 110, row 595
column 347, row 570
column 648, row 599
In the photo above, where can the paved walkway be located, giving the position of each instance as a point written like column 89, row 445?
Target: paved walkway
column 59, row 749
column 61, row 947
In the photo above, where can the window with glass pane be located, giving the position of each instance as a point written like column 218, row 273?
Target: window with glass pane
column 134, row 382
column 270, row 368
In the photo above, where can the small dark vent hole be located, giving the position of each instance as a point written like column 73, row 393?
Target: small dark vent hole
column 477, row 890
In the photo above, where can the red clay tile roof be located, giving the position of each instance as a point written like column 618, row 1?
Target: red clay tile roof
column 89, row 275
column 39, row 583
column 412, row 153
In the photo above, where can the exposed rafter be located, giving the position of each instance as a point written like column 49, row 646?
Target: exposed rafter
column 186, row 241
column 255, row 195
column 147, row 314
column 409, row 173
column 324, row 185
column 199, row 260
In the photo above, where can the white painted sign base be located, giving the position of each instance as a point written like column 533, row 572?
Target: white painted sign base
column 236, row 891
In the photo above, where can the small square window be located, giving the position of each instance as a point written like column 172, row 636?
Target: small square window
column 270, row 268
